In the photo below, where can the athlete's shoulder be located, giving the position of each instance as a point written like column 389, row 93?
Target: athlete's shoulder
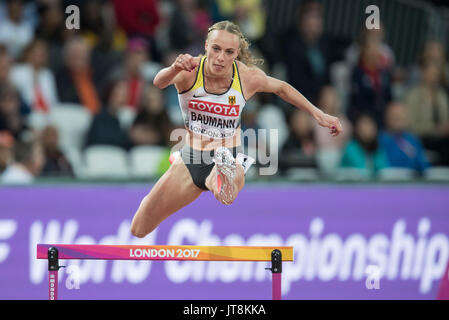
column 250, row 73
column 251, row 76
column 244, row 68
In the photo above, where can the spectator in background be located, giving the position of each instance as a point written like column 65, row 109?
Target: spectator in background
column 97, row 21
column 117, row 35
column 139, row 18
column 6, row 148
column 76, row 81
column 15, row 31
column 5, row 65
column 370, row 85
column 249, row 117
column 181, row 31
column 5, row 68
column 35, row 82
column 300, row 148
column 50, row 29
column 105, row 128
column 110, row 44
column 251, row 17
column 171, row 94
column 91, row 21
column 248, row 14
column 56, row 163
column 189, row 24
column 28, row 162
column 387, row 57
column 249, row 121
column 306, row 51
column 376, row 36
column 135, row 57
column 428, row 109
column 11, row 120
column 403, row 149
column 105, row 56
column 51, row 21
column 270, row 115
column 329, row 101
column 329, row 149
column 364, row 151
column 152, row 125
column 432, row 52
column 131, row 71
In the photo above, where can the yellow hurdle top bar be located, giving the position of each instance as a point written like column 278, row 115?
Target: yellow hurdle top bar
column 160, row 252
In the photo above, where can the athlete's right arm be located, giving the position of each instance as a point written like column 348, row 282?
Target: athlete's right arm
column 177, row 73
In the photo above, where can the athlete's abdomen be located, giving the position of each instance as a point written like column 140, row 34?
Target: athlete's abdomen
column 200, row 142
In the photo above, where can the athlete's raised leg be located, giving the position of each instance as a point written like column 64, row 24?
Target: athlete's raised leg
column 173, row 191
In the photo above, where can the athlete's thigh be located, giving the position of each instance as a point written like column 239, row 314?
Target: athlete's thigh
column 173, row 191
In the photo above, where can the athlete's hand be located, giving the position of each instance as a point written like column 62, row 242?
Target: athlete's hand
column 331, row 122
column 185, row 62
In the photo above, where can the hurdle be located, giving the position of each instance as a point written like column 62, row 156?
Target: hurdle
column 54, row 252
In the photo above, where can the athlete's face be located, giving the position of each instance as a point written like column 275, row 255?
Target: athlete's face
column 222, row 48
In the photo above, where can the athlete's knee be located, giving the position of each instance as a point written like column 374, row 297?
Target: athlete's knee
column 137, row 231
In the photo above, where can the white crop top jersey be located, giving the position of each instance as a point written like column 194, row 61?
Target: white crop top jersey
column 216, row 116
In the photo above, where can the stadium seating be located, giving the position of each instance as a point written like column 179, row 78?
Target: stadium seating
column 351, row 175
column 37, row 120
column 328, row 161
column 72, row 122
column 145, row 160
column 437, row 174
column 126, row 117
column 302, row 174
column 75, row 157
column 105, row 162
column 340, row 75
column 271, row 117
column 396, row 174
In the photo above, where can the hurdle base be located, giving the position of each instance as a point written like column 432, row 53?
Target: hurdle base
column 276, row 274
column 53, row 268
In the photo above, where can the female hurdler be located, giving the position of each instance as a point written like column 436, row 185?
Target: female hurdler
column 212, row 92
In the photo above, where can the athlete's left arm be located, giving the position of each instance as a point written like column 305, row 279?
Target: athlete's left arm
column 264, row 83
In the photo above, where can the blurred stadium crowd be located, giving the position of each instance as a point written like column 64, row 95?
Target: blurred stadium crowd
column 81, row 104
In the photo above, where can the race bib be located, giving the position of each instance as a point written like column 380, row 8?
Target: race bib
column 213, row 120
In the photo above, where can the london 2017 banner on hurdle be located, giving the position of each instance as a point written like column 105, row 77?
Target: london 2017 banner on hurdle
column 350, row 242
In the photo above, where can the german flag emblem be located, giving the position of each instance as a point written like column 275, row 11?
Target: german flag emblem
column 231, row 100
